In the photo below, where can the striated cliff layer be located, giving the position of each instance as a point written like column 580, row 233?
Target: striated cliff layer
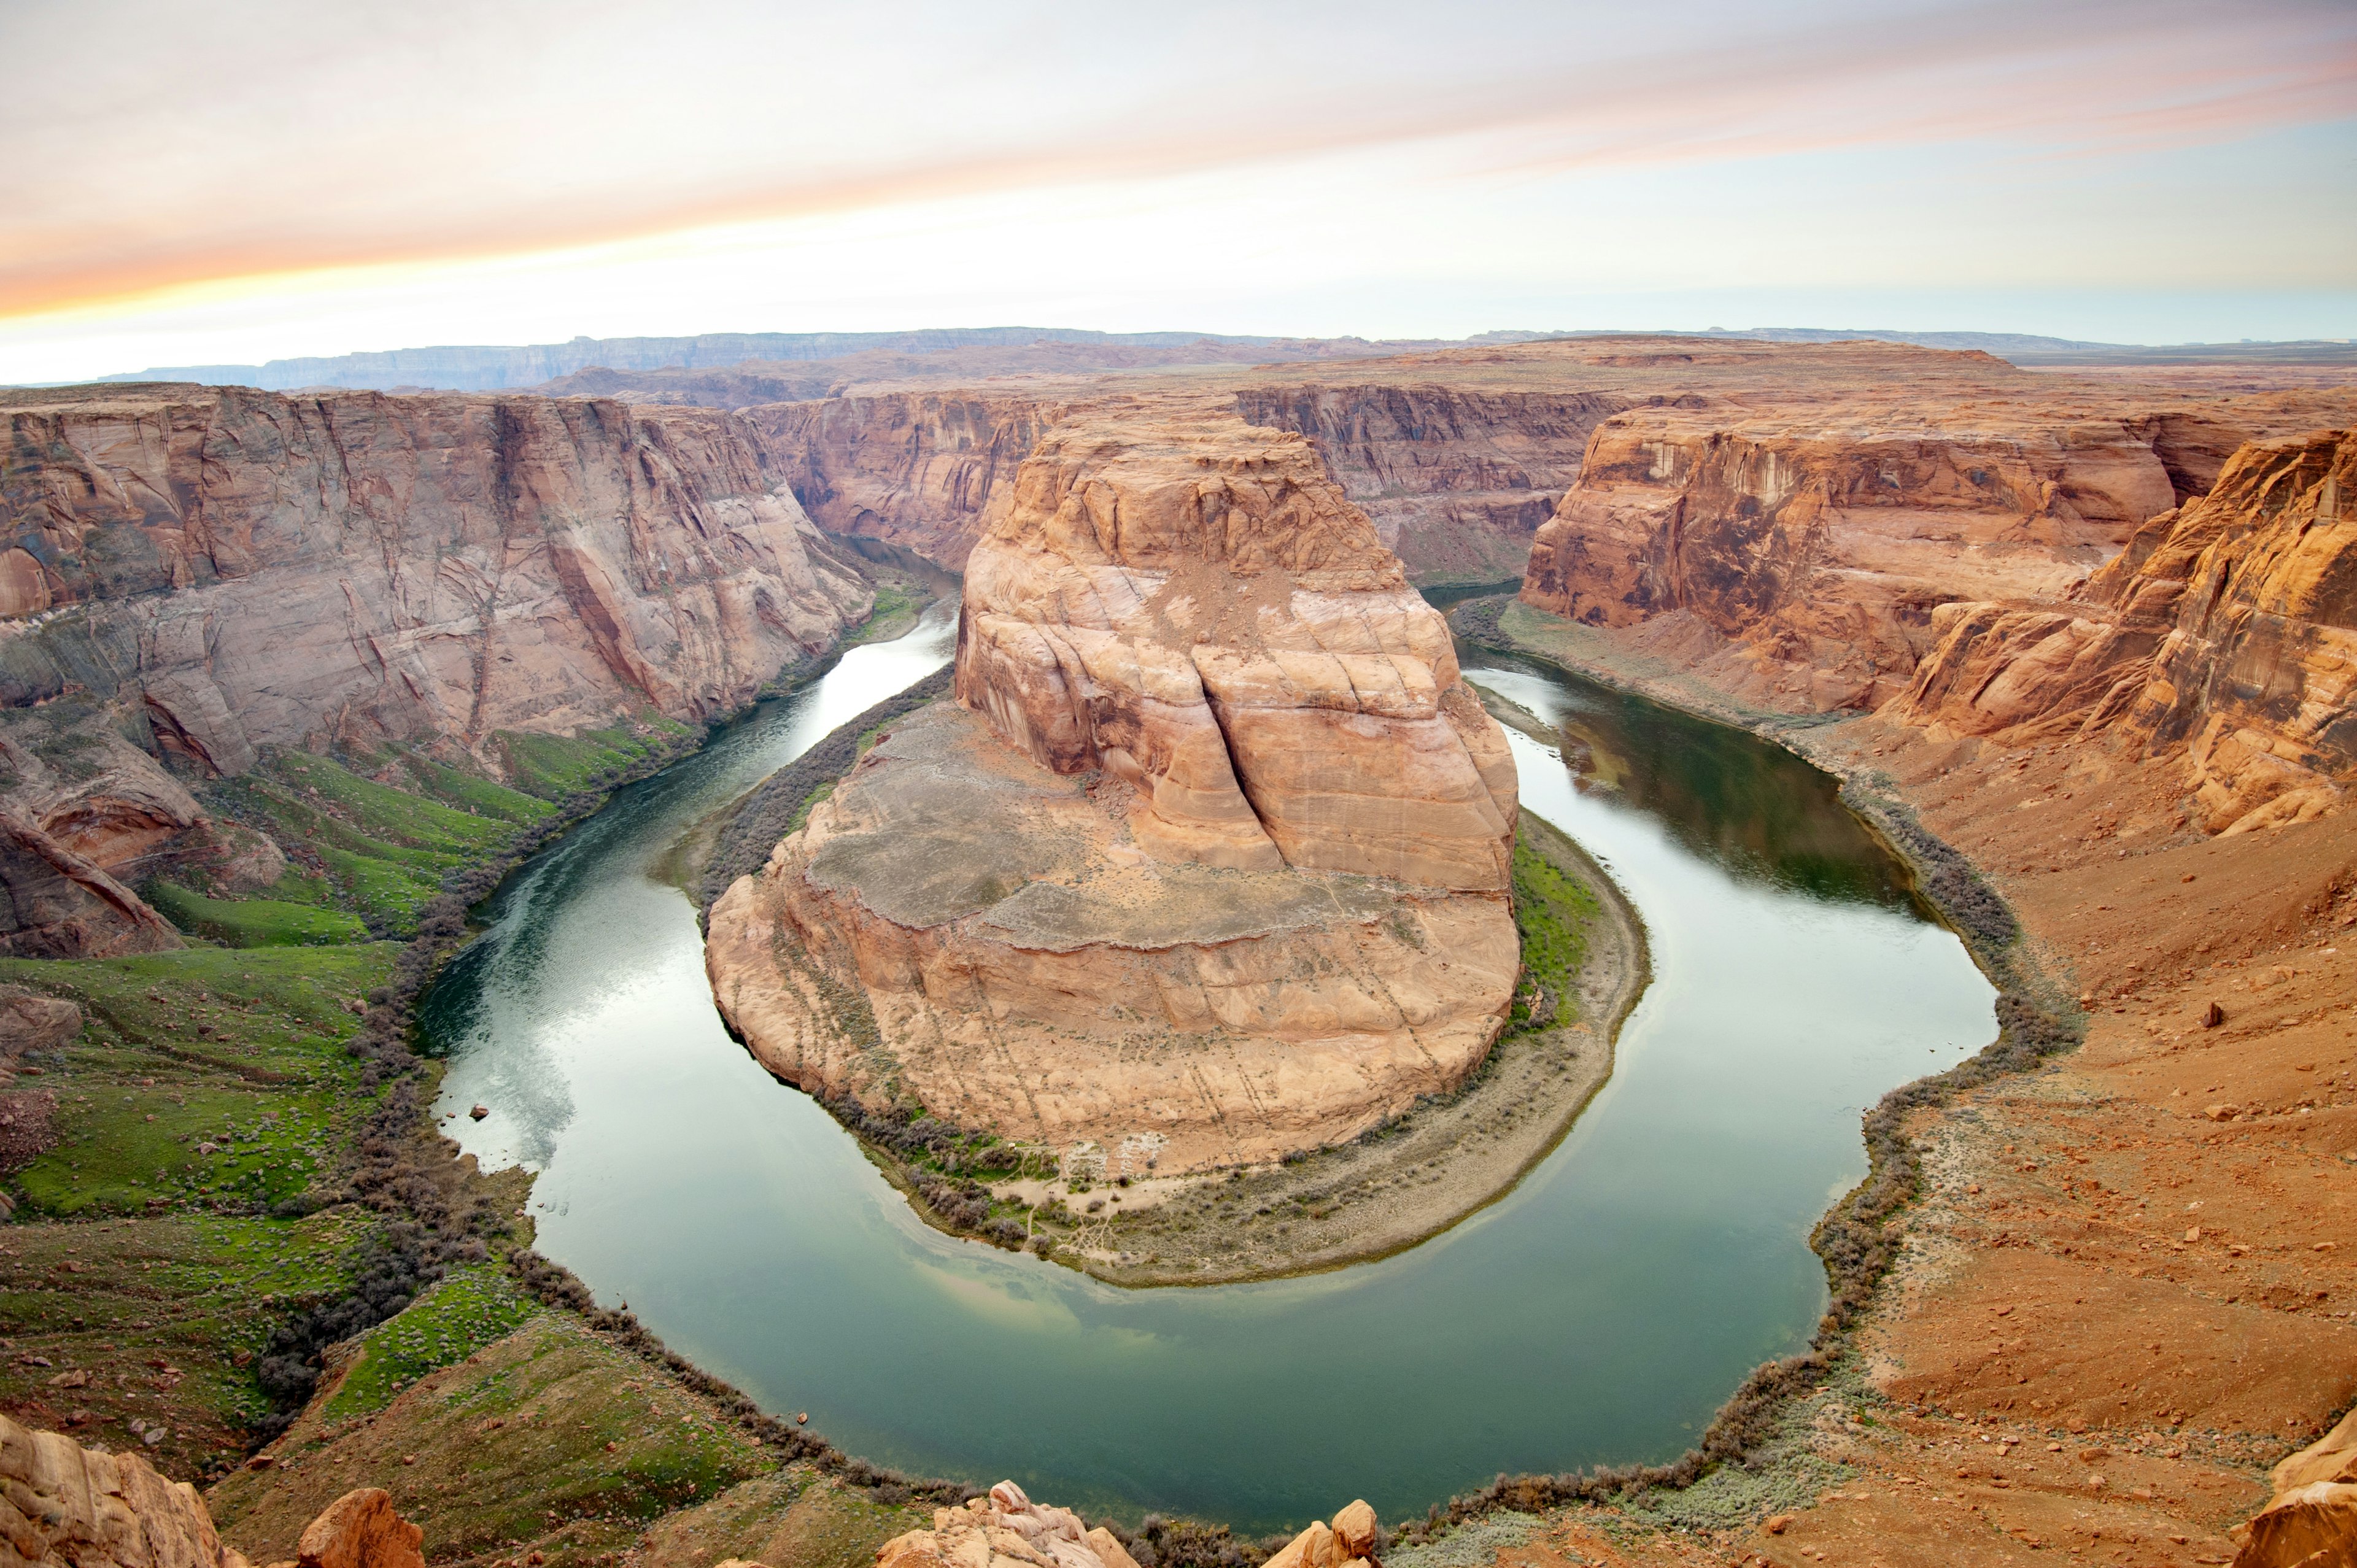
column 1456, row 481
column 913, row 469
column 1823, row 551
column 193, row 573
column 1211, row 865
column 2227, row 627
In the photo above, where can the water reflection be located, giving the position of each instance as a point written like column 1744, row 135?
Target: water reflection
column 1754, row 809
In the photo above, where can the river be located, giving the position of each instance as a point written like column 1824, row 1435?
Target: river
column 1600, row 1313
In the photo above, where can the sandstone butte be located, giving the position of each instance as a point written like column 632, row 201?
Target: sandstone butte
column 1208, row 863
column 216, row 569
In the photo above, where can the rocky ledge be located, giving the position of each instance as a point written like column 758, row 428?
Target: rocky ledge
column 1210, row 863
column 1007, row 1530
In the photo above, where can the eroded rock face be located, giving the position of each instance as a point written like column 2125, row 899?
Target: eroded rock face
column 210, row 570
column 1456, row 481
column 361, row 1530
column 1209, row 867
column 986, row 936
column 64, row 1506
column 914, row 469
column 2226, row 628
column 1824, row 552
column 55, row 903
column 2331, row 1457
column 358, row 566
column 2313, row 1526
column 1200, row 612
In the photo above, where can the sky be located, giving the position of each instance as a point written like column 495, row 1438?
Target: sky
column 239, row 181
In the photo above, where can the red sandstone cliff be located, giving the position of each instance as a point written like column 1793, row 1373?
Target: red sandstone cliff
column 227, row 569
column 1456, row 481
column 914, row 469
column 1824, row 551
column 2227, row 627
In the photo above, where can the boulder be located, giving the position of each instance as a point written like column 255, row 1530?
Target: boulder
column 1352, row 1538
column 55, row 903
column 1005, row 1530
column 32, row 1022
column 361, row 1530
column 2314, row 1526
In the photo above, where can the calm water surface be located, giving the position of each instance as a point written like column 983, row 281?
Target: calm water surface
column 1598, row 1313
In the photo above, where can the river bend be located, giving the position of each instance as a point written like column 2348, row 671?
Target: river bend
column 1598, row 1313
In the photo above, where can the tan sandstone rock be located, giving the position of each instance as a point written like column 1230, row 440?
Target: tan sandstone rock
column 32, row 1022
column 1005, row 1530
column 1351, row 1539
column 361, row 1530
column 1214, row 868
column 2225, row 631
column 2331, row 1457
column 2314, row 1526
column 1193, row 607
column 64, row 1506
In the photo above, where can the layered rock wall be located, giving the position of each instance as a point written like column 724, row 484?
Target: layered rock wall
column 1457, row 481
column 1823, row 553
column 2226, row 628
column 264, row 568
column 913, row 469
column 193, row 573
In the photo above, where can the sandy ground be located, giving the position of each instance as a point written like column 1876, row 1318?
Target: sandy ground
column 2131, row 1284
column 1365, row 1199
